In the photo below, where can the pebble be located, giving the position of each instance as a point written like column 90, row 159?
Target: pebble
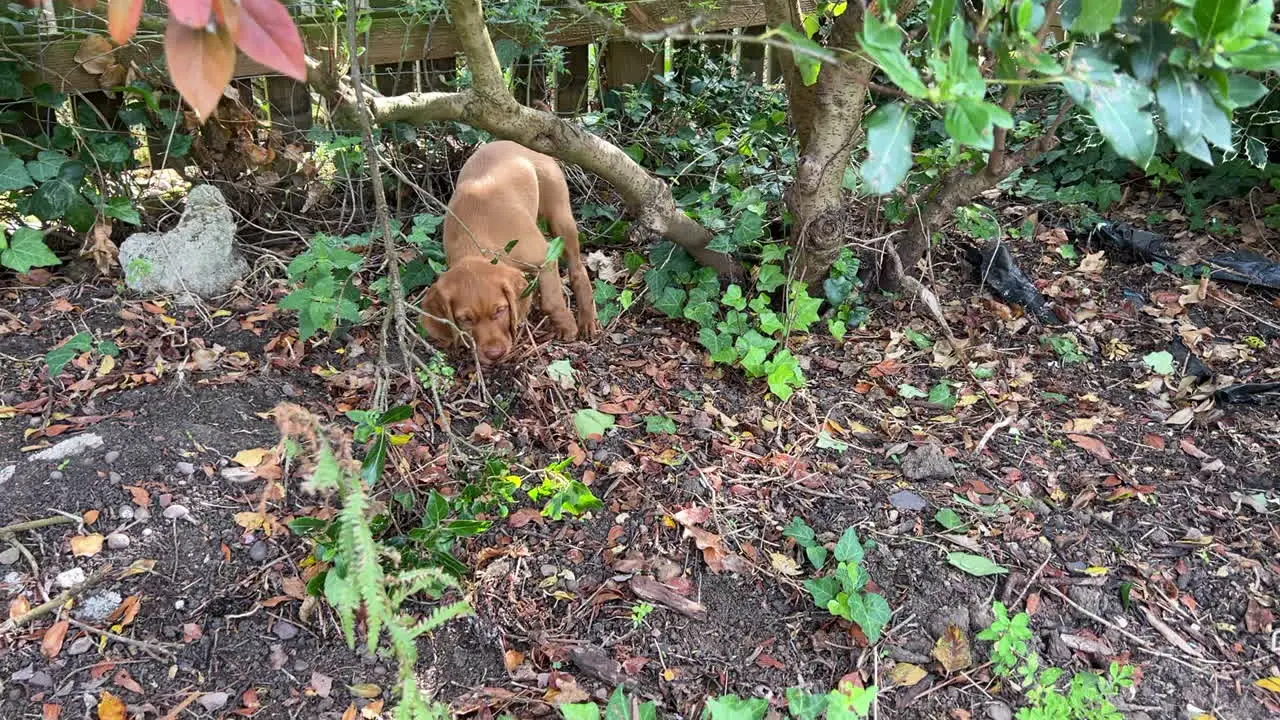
column 907, row 500
column 117, row 541
column 125, row 512
column 9, row 556
column 548, row 570
column 184, row 468
column 7, row 472
column 286, row 630
column 111, row 456
column 165, row 499
column 115, row 477
column 999, row 711
column 927, row 462
column 179, row 604
column 142, row 514
column 70, row 578
column 258, row 551
column 41, row 678
column 56, row 475
column 176, row 512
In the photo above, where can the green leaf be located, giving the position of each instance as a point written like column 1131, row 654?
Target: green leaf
column 732, row 707
column 1214, row 17
column 949, row 519
column 883, row 42
column 1149, row 53
column 58, row 357
column 13, row 173
column 1182, row 100
column 911, row 392
column 941, row 13
column 975, row 565
column 26, row 249
column 784, row 375
column 660, row 424
column 770, row 279
column 817, row 556
column 1096, row 16
column 619, row 707
column 871, row 612
column 823, row 589
column 591, row 423
column 849, row 549
column 719, row 344
column 562, row 372
column 122, row 208
column 807, row 54
column 734, row 298
column 942, row 396
column 580, row 711
column 800, row 531
column 972, row 122
column 1161, row 362
column 849, row 702
column 804, row 307
column 890, row 130
column 1256, row 151
column 805, row 705
column 1115, row 101
column 671, row 301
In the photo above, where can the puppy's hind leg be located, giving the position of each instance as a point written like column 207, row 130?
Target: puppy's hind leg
column 551, row 299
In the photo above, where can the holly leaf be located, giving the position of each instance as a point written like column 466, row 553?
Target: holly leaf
column 890, row 130
column 26, row 249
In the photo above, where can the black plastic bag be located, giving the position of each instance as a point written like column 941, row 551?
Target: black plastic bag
column 1242, row 266
column 994, row 266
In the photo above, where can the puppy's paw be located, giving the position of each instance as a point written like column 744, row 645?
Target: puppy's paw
column 588, row 323
column 564, row 327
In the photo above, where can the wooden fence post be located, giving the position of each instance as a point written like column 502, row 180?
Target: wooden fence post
column 529, row 80
column 571, row 85
column 439, row 75
column 751, row 55
column 627, row 63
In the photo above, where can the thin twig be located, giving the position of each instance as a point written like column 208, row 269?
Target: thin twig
column 43, row 609
column 159, row 652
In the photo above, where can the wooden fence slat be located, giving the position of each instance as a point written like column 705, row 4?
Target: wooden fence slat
column 571, row 87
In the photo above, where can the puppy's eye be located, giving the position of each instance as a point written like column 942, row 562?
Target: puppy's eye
column 500, row 313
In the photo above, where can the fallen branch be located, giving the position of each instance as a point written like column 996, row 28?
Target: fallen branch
column 156, row 651
column 58, row 601
column 10, row 530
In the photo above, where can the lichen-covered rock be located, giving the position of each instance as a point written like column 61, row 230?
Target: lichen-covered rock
column 195, row 257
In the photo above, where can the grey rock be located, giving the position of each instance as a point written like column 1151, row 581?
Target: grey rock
column 125, row 512
column 56, row 475
column 195, row 257
column 111, row 456
column 999, row 711
column 142, row 514
column 40, row 678
column 71, row 447
column 9, row 556
column 184, row 468
column 99, row 605
column 927, row 462
column 117, row 541
column 6, row 473
column 907, row 500
column 70, row 578
column 115, row 477
column 286, row 630
column 258, row 551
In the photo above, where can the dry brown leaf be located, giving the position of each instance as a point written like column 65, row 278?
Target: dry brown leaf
column 94, row 54
column 50, row 711
column 371, row 711
column 365, row 690
column 110, row 707
column 126, row 681
column 128, row 610
column 350, row 713
column 138, row 567
column 512, row 659
column 86, row 545
column 906, row 675
column 952, row 650
column 784, row 564
column 1092, row 445
column 91, row 517
column 51, row 643
column 19, row 606
column 141, row 497
column 251, row 457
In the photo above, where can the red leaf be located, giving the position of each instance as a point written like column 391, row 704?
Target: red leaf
column 227, row 14
column 200, row 64
column 192, row 13
column 1093, row 445
column 268, row 35
column 51, row 643
column 122, row 19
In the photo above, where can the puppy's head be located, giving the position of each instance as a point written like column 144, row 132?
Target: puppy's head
column 478, row 299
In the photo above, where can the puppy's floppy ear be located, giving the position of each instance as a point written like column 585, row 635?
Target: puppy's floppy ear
column 513, row 288
column 439, row 304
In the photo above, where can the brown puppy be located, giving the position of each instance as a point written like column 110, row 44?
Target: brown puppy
column 502, row 190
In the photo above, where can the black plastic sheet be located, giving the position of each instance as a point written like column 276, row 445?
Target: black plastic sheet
column 1249, row 394
column 994, row 266
column 1242, row 266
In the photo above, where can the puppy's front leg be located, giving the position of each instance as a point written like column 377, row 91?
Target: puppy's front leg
column 551, row 299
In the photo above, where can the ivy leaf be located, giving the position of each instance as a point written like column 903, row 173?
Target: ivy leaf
column 771, row 277
column 719, row 345
column 1115, row 101
column 849, row 549
column 660, row 425
column 13, row 172
column 1096, row 16
column 823, row 589
column 871, row 612
column 700, row 310
column 591, row 424
column 732, row 707
column 800, row 531
column 122, row 208
column 784, row 375
column 804, row 307
column 805, row 705
column 27, row 250
column 1161, row 362
column 671, row 301
column 890, row 130
column 734, row 298
column 58, row 357
column 46, row 165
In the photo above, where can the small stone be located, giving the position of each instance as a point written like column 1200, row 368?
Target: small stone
column 927, row 462
column 179, row 604
column 213, row 701
column 6, row 473
column 115, row 477
column 117, row 541
column 56, row 475
column 176, row 512
column 288, row 390
column 279, row 658
column 999, row 711
column 70, row 578
column 125, row 512
column 99, row 605
column 548, row 570
column 258, row 551
column 71, row 447
column 286, row 630
column 165, row 499
column 40, row 678
column 80, row 646
column 111, row 456
column 9, row 556
column 907, row 500
column 184, row 468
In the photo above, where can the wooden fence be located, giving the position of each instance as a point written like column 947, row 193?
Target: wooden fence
column 420, row 52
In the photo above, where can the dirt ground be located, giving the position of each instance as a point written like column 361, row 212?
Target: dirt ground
column 1137, row 518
